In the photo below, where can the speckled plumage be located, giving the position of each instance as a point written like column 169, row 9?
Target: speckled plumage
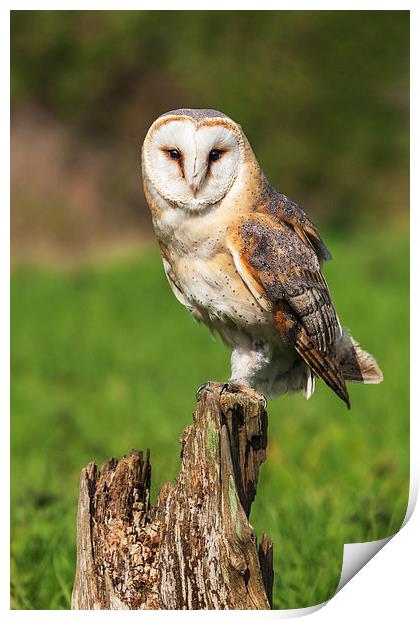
column 245, row 259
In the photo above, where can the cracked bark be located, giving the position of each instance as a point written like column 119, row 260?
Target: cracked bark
column 194, row 549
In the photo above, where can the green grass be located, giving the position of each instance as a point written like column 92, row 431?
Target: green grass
column 104, row 359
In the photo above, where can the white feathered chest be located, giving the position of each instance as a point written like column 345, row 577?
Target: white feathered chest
column 201, row 270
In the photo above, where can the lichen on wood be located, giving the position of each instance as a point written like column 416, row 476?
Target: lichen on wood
column 193, row 549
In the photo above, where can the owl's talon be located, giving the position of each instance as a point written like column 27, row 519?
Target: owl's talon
column 234, row 388
column 200, row 389
column 231, row 388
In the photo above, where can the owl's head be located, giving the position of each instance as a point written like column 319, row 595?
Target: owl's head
column 192, row 157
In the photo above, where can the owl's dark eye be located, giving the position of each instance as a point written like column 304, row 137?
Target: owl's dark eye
column 215, row 154
column 174, row 154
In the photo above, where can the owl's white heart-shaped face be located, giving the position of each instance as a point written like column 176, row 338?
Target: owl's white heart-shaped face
column 190, row 163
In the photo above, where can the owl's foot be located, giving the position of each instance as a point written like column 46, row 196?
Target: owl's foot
column 234, row 388
column 200, row 389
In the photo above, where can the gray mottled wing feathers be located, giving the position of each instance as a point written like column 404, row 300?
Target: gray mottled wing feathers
column 284, row 210
column 284, row 267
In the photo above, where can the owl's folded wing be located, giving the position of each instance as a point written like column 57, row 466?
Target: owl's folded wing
column 284, row 210
column 282, row 271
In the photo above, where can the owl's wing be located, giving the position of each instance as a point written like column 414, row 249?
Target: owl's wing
column 282, row 271
column 284, row 210
column 173, row 281
column 307, row 232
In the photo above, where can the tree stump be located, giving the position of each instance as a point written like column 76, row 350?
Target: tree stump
column 194, row 549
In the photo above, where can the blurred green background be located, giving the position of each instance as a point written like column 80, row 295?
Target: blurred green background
column 101, row 349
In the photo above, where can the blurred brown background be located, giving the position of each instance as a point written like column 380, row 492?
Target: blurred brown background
column 322, row 96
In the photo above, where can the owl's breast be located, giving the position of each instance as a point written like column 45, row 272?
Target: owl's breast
column 200, row 267
column 213, row 288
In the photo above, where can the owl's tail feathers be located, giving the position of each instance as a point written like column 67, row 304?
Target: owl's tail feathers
column 355, row 364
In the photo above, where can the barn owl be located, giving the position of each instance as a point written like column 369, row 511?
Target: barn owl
column 244, row 259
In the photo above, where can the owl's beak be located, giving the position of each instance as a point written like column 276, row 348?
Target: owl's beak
column 197, row 178
column 195, row 185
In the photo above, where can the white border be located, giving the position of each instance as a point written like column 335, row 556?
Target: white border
column 5, row 307
column 183, row 5
column 387, row 585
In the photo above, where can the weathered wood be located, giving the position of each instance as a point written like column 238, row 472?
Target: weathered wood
column 194, row 549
